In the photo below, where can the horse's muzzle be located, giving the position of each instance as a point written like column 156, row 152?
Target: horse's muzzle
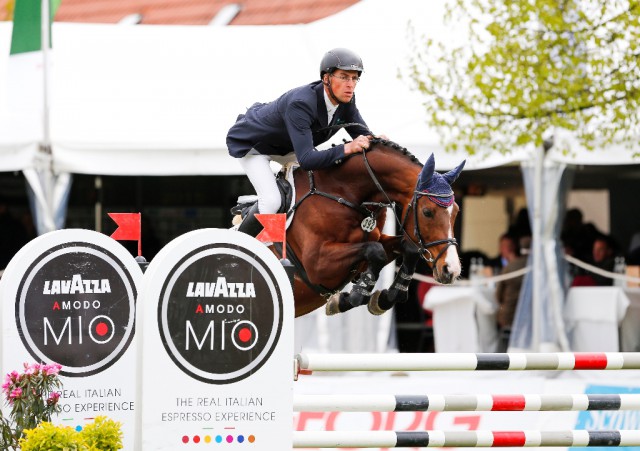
column 444, row 274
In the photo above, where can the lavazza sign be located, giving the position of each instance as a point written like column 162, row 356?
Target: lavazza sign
column 218, row 319
column 197, row 350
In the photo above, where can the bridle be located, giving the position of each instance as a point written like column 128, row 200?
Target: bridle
column 422, row 247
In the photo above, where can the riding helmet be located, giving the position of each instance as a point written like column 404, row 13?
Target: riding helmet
column 340, row 59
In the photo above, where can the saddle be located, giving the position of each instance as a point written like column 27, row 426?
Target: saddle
column 286, row 198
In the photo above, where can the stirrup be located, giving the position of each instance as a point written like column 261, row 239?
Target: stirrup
column 250, row 224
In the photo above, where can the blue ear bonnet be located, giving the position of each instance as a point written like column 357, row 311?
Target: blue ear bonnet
column 438, row 191
column 437, row 187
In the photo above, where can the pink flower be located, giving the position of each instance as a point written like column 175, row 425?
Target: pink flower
column 32, row 368
column 52, row 369
column 16, row 393
column 53, row 398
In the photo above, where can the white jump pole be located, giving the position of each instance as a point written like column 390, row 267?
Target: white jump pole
column 306, row 363
column 468, row 439
column 458, row 403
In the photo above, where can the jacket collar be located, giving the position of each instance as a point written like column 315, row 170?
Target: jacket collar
column 322, row 108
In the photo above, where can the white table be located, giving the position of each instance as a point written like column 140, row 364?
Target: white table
column 464, row 318
column 630, row 325
column 593, row 316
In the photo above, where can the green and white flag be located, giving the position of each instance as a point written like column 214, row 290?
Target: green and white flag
column 28, row 94
column 26, row 74
column 27, row 26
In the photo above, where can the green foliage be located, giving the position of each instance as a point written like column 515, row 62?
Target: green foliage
column 103, row 435
column 527, row 67
column 32, row 397
column 7, row 11
column 47, row 437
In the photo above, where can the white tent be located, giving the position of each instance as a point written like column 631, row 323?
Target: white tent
column 158, row 100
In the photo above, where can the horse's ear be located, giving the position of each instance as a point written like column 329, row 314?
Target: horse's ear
column 426, row 174
column 453, row 174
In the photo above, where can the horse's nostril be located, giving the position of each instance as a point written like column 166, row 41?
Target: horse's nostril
column 445, row 269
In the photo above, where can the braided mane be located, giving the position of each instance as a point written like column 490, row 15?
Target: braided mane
column 395, row 146
column 377, row 141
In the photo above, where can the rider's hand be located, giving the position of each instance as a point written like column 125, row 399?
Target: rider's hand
column 357, row 145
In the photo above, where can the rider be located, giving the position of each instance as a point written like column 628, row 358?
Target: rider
column 288, row 129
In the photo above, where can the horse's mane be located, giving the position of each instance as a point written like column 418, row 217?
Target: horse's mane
column 395, row 146
column 377, row 142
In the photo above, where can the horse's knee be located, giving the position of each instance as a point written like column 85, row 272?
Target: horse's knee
column 375, row 256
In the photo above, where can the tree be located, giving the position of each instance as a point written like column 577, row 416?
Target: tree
column 6, row 12
column 527, row 67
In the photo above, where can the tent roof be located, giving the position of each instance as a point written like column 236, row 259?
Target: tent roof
column 197, row 12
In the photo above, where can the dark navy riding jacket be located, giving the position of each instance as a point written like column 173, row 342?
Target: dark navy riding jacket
column 292, row 123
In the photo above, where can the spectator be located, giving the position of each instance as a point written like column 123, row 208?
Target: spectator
column 508, row 291
column 508, row 246
column 577, row 237
column 603, row 257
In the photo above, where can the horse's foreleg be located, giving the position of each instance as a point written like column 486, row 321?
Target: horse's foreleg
column 398, row 291
column 374, row 254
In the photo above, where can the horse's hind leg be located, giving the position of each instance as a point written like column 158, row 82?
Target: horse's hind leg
column 374, row 254
column 399, row 288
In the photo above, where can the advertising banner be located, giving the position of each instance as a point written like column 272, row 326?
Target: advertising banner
column 217, row 345
column 69, row 297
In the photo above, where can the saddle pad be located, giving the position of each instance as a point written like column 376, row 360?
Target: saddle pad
column 289, row 168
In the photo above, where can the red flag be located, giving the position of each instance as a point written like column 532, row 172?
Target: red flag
column 274, row 228
column 129, row 228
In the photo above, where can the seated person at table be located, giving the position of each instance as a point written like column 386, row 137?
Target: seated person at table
column 577, row 236
column 508, row 291
column 603, row 255
column 507, row 245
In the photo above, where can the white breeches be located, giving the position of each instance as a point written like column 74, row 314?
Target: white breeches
column 261, row 175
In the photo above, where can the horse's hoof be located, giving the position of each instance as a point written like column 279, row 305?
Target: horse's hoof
column 333, row 305
column 373, row 306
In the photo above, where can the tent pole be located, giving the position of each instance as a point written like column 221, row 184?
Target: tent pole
column 536, row 242
column 45, row 33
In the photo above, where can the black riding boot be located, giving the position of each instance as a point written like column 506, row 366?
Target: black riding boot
column 250, row 224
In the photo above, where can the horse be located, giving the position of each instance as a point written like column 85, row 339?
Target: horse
column 335, row 236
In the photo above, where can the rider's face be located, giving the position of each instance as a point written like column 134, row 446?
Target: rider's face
column 343, row 84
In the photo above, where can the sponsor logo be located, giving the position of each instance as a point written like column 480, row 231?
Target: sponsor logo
column 608, row 419
column 75, row 306
column 220, row 313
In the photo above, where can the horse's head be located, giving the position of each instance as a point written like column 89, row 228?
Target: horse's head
column 434, row 214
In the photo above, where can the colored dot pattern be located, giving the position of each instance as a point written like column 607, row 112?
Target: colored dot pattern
column 219, row 439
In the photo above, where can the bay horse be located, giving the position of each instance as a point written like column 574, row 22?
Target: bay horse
column 336, row 234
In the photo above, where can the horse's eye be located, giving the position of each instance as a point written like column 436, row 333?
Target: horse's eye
column 427, row 212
